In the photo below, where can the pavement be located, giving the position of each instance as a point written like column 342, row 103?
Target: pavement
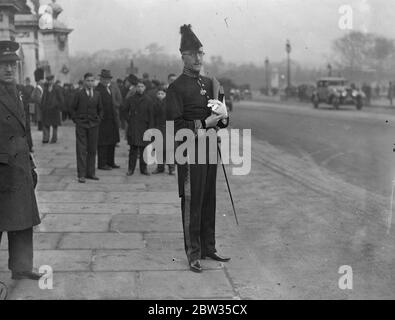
column 121, row 237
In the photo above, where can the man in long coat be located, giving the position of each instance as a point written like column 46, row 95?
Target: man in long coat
column 108, row 129
column 51, row 106
column 187, row 106
column 18, row 206
column 140, row 118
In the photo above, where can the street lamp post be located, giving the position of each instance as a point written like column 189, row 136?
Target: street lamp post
column 289, row 50
column 267, row 75
column 329, row 70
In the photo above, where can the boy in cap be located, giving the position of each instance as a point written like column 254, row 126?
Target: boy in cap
column 187, row 105
column 18, row 209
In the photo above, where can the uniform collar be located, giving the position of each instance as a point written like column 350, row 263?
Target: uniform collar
column 191, row 73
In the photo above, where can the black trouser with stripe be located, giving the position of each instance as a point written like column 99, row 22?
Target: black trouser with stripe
column 20, row 250
column 198, row 210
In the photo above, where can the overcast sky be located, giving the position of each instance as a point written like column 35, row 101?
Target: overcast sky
column 239, row 30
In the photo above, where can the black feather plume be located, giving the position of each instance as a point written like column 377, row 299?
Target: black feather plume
column 185, row 28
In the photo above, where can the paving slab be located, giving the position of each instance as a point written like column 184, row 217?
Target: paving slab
column 41, row 241
column 165, row 241
column 178, row 285
column 70, row 196
column 161, row 209
column 108, row 187
column 75, row 223
column 59, row 260
column 146, row 223
column 87, row 208
column 103, row 179
column 143, row 197
column 55, row 186
column 101, row 241
column 81, row 286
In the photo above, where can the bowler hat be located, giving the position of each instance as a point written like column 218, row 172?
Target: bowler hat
column 50, row 77
column 106, row 74
column 132, row 79
column 8, row 51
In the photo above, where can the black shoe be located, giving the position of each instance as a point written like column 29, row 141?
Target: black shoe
column 45, row 142
column 81, row 180
column 145, row 173
column 195, row 266
column 93, row 178
column 158, row 171
column 115, row 166
column 216, row 257
column 130, row 173
column 29, row 275
column 105, row 168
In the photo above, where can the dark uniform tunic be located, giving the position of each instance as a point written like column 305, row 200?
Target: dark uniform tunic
column 18, row 206
column 186, row 105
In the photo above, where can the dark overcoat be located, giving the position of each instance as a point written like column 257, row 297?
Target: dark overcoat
column 51, row 106
column 18, row 206
column 108, row 129
column 140, row 118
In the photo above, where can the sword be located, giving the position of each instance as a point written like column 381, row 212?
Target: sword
column 227, row 183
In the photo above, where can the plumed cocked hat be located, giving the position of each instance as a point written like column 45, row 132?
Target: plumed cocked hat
column 189, row 41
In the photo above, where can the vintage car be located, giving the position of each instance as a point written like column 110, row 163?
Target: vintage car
column 337, row 92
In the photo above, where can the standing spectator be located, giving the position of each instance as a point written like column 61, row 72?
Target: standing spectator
column 129, row 90
column 170, row 79
column 87, row 112
column 390, row 92
column 36, row 96
column 160, row 124
column 27, row 91
column 108, row 129
column 140, row 119
column 147, row 82
column 51, row 105
column 117, row 100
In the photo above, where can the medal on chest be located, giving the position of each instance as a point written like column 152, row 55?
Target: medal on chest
column 203, row 91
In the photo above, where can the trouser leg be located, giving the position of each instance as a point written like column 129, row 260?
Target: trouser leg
column 54, row 134
column 111, row 155
column 93, row 136
column 143, row 164
column 102, row 156
column 46, row 133
column 133, row 158
column 81, row 146
column 191, row 210
column 20, row 249
column 207, row 227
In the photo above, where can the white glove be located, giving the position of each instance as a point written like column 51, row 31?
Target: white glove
column 218, row 108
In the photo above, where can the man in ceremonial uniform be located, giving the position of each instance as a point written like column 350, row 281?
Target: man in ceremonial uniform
column 108, row 129
column 87, row 112
column 18, row 206
column 187, row 105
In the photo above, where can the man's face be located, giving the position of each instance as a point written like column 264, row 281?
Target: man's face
column 7, row 71
column 161, row 95
column 140, row 88
column 105, row 81
column 90, row 82
column 193, row 59
column 172, row 79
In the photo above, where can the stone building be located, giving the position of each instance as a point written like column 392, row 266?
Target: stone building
column 43, row 38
